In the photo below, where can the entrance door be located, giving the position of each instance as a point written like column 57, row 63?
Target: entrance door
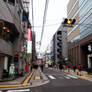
column 90, row 61
column 1, row 66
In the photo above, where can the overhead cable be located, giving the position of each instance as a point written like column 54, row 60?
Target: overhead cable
column 44, row 20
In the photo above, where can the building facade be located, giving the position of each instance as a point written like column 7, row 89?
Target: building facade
column 80, row 36
column 59, row 45
column 34, row 56
column 11, row 33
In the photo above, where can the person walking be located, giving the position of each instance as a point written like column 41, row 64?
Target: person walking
column 79, row 69
column 60, row 66
column 74, row 68
column 41, row 65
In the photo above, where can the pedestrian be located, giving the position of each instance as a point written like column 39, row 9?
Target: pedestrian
column 66, row 68
column 27, row 67
column 79, row 69
column 74, row 68
column 60, row 66
column 41, row 67
column 31, row 66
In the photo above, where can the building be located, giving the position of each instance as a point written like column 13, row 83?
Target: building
column 59, row 45
column 80, row 36
column 11, row 34
column 64, row 41
column 34, row 56
column 47, row 54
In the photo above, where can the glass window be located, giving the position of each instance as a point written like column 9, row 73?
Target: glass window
column 6, row 35
column 59, row 33
column 5, row 0
column 11, row 2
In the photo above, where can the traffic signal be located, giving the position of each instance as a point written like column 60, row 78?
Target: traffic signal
column 65, row 21
column 73, row 21
column 69, row 22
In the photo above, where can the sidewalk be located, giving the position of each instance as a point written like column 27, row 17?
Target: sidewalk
column 18, row 80
column 83, row 74
column 35, row 78
column 38, row 78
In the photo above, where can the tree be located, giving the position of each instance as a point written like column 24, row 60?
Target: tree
column 71, row 60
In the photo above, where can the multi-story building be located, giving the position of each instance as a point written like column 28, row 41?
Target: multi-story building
column 59, row 45
column 11, row 33
column 34, row 56
column 80, row 36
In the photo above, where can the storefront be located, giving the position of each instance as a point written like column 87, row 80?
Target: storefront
column 81, row 53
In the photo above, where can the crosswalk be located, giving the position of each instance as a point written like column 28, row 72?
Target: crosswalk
column 53, row 77
column 50, row 76
column 19, row 90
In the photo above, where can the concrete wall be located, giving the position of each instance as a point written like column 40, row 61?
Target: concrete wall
column 5, row 13
column 5, row 47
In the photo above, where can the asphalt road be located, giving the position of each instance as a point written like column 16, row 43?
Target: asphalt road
column 60, row 82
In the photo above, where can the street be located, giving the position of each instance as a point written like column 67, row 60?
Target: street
column 62, row 82
column 59, row 82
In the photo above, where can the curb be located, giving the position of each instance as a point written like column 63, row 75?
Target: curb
column 25, row 83
column 82, row 76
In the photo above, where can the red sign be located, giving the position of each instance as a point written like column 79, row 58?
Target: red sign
column 29, row 34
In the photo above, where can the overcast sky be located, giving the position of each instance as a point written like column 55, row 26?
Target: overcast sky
column 57, row 10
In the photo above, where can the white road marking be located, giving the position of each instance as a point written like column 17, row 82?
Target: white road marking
column 72, row 76
column 0, row 91
column 23, row 90
column 50, row 76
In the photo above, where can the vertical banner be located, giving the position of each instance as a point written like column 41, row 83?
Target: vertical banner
column 29, row 42
column 29, row 46
column 29, row 34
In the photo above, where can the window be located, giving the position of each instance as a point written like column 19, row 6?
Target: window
column 5, row 0
column 59, row 33
column 6, row 35
column 11, row 2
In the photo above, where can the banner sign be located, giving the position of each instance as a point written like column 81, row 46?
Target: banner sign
column 29, row 46
column 29, row 34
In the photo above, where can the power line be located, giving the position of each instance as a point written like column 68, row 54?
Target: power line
column 32, row 16
column 48, row 25
column 44, row 20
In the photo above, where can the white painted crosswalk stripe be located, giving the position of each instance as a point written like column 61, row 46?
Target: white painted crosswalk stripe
column 50, row 76
column 67, row 77
column 72, row 76
column 21, row 90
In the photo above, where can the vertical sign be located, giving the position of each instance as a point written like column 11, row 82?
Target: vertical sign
column 29, row 34
column 29, row 42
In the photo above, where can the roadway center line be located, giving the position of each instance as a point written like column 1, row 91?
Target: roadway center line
column 21, row 90
column 50, row 76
